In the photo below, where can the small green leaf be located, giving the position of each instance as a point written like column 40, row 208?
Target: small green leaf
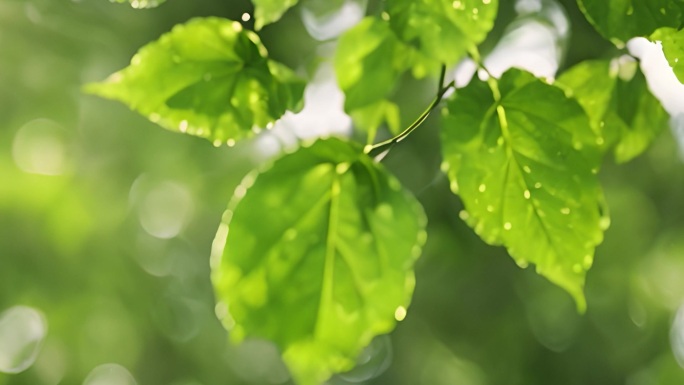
column 208, row 78
column 140, row 4
column 368, row 62
column 673, row 47
column 620, row 106
column 270, row 11
column 621, row 20
column 316, row 254
column 514, row 161
column 442, row 30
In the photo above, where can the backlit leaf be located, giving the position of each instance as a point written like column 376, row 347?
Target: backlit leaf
column 621, row 20
column 673, row 47
column 269, row 11
column 616, row 97
column 316, row 254
column 368, row 62
column 525, row 166
column 442, row 30
column 208, row 78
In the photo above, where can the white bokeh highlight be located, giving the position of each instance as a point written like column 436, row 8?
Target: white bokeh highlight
column 22, row 331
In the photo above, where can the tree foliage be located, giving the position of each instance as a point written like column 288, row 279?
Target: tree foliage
column 316, row 251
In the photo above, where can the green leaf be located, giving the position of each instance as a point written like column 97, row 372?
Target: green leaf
column 616, row 97
column 514, row 161
column 673, row 47
column 316, row 254
column 270, row 11
column 442, row 30
column 621, row 20
column 208, row 78
column 371, row 117
column 368, row 62
column 140, row 4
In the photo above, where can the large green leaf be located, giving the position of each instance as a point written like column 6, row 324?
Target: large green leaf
column 368, row 62
column 442, row 30
column 673, row 47
column 616, row 97
column 621, row 20
column 316, row 254
column 269, row 11
column 140, row 3
column 522, row 157
column 208, row 78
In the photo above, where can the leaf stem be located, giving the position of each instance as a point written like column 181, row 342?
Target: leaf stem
column 378, row 150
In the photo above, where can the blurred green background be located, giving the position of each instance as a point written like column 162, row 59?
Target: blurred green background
column 106, row 223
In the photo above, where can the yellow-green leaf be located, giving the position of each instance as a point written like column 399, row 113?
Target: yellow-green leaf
column 316, row 254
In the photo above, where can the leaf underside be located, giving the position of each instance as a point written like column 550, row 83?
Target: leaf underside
column 208, row 78
column 318, row 256
column 525, row 168
column 615, row 96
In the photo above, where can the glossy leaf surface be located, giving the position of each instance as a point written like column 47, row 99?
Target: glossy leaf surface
column 620, row 106
column 442, row 30
column 207, row 78
column 673, row 47
column 621, row 20
column 513, row 159
column 269, row 11
column 316, row 254
column 140, row 4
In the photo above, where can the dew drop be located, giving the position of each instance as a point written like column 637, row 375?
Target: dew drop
column 246, row 16
column 565, row 210
column 600, row 141
column 527, row 169
column 385, row 16
column 230, row 142
column 454, row 186
column 290, row 234
column 240, row 191
column 217, row 143
column 342, row 168
column 22, row 331
column 507, row 226
column 588, row 260
column 523, row 264
column 527, row 194
column 385, row 211
column 577, row 268
column 490, row 208
column 537, row 185
column 482, row 188
column 463, row 215
column 400, row 313
column 183, row 126
column 604, row 223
